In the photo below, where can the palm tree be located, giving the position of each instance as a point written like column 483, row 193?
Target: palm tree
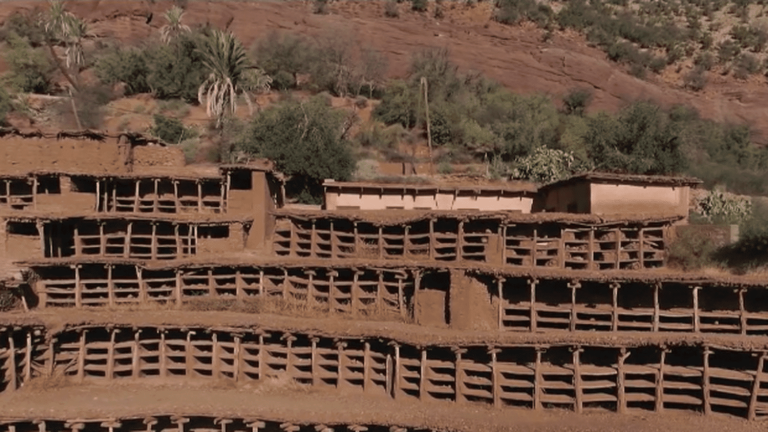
column 174, row 27
column 58, row 27
column 230, row 74
column 76, row 32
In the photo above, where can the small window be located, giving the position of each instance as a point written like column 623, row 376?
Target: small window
column 22, row 228
column 48, row 185
column 221, row 231
column 241, row 180
column 83, row 184
column 348, row 207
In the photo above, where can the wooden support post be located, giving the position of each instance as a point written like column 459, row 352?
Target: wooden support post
column 34, row 192
column 41, row 233
column 12, row 372
column 102, row 240
column 573, row 285
column 111, row 353
column 225, row 209
column 354, row 293
column 705, row 382
column 239, row 292
column 110, row 286
column 129, row 231
column 423, row 375
column 262, row 357
column 538, row 380
column 77, row 241
column 212, row 284
column 153, row 248
column 759, row 376
column 696, row 323
column 222, row 198
column 176, row 201
column 366, row 366
column 199, row 196
column 81, row 357
column 51, row 360
column 189, row 355
column 178, row 291
column 621, row 390
column 162, row 353
column 142, row 286
column 660, row 381
column 333, row 240
column 136, row 195
column 743, row 323
column 656, row 289
column 237, row 371
column 314, row 362
column 28, row 359
column 499, row 289
column 534, row 314
column 615, row 306
column 432, row 242
column 577, row 384
column 459, row 375
column 313, row 247
column 136, row 363
column 396, row 375
column 177, row 235
column 381, row 242
column 496, row 382
column 98, row 195
column 156, row 201
column 261, row 283
column 460, row 242
column 216, row 355
column 340, row 345
column 78, row 287
column 113, row 206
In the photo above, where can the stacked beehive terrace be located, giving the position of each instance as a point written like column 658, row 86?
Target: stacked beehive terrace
column 502, row 309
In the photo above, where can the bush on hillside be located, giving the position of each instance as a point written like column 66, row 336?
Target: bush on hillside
column 24, row 25
column 576, row 101
column 31, row 70
column 284, row 57
column 544, row 166
column 170, row 130
column 303, row 139
column 5, row 105
column 514, row 11
column 172, row 71
column 419, row 5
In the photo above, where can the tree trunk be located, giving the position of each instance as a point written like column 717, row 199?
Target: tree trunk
column 74, row 111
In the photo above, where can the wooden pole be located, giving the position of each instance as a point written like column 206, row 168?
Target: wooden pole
column 424, row 86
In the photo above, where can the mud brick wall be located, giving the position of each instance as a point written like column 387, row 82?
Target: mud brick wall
column 573, row 376
column 148, row 156
column 526, row 244
column 24, row 155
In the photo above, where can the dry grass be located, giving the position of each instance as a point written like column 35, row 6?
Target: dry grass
column 49, row 381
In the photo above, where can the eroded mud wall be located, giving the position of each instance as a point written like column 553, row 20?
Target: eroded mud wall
column 471, row 303
column 24, row 155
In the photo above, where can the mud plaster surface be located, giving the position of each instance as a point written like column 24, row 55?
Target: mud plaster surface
column 331, row 327
column 272, row 402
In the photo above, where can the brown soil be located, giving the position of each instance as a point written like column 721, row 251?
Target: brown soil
column 514, row 56
column 275, row 403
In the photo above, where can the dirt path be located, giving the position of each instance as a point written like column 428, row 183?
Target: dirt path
column 273, row 401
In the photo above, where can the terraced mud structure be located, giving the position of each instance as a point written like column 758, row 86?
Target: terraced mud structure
column 128, row 275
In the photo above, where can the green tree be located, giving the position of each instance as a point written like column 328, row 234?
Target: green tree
column 176, row 70
column 30, row 70
column 285, row 55
column 229, row 75
column 5, row 105
column 304, row 140
column 641, row 140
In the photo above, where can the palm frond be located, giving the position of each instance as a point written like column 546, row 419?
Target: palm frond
column 174, row 27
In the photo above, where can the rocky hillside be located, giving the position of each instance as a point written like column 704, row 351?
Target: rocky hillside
column 519, row 56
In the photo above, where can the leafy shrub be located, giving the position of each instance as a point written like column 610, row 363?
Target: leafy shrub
column 746, row 65
column 576, row 101
column 753, row 233
column 727, row 51
column 303, row 140
column 127, row 66
column 544, row 165
column 31, row 70
column 419, row 5
column 283, row 56
column 170, row 130
column 514, row 11
column 444, row 168
column 5, row 105
column 691, row 251
column 704, row 60
column 696, row 79
column 24, row 25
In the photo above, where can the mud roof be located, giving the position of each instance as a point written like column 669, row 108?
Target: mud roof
column 130, row 137
column 396, row 217
column 634, row 179
column 197, row 218
column 515, row 188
